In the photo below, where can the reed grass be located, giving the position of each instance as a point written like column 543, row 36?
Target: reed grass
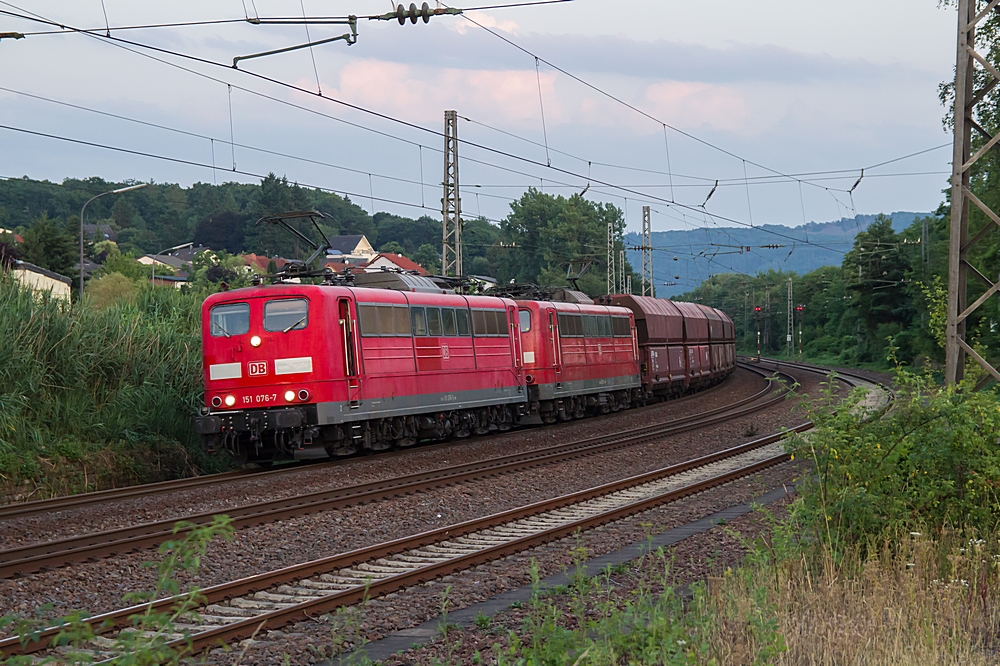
column 919, row 601
column 95, row 397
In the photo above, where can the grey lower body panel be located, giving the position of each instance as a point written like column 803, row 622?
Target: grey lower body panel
column 331, row 413
column 584, row 386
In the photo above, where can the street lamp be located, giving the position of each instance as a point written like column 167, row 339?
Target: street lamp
column 118, row 191
column 152, row 280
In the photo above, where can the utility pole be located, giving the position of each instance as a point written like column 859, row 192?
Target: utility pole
column 621, row 271
column 451, row 203
column 647, row 254
column 959, row 267
column 790, row 330
column 611, row 258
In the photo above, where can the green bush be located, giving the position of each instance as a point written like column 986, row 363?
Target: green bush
column 91, row 391
column 931, row 462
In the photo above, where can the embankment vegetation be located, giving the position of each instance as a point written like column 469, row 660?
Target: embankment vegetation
column 97, row 394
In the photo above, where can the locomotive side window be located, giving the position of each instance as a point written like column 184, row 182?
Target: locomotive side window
column 448, row 321
column 492, row 324
column 605, row 326
column 570, row 326
column 462, row 322
column 503, row 324
column 369, row 320
column 401, row 317
column 286, row 315
column 418, row 321
column 434, row 322
column 621, row 327
column 479, row 323
column 589, row 326
column 230, row 319
column 524, row 320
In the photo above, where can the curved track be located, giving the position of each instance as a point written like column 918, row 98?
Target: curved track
column 52, row 554
column 27, row 508
column 242, row 608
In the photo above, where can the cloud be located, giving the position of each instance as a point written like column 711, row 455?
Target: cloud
column 420, row 95
column 695, row 104
column 485, row 20
column 440, row 45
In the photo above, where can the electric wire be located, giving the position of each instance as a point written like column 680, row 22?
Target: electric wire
column 408, row 123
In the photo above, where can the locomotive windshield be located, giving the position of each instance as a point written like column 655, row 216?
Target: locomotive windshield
column 230, row 319
column 286, row 315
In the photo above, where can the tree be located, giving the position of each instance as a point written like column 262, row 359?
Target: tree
column 110, row 290
column 222, row 230
column 392, row 247
column 48, row 244
column 543, row 233
column 428, row 257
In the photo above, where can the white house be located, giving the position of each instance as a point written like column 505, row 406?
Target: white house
column 351, row 249
column 41, row 280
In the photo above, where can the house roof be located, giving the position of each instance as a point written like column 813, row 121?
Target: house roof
column 187, row 254
column 401, row 261
column 99, row 232
column 260, row 261
column 344, row 244
column 173, row 262
column 25, row 266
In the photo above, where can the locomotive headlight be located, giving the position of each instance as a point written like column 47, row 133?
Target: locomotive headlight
column 255, row 341
column 289, row 396
column 230, row 400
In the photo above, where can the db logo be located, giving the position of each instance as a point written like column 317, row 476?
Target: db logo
column 445, row 352
column 257, row 368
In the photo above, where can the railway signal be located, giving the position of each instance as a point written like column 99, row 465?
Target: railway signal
column 800, row 310
column 756, row 316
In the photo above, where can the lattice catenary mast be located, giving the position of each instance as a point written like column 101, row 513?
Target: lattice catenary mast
column 611, row 258
column 959, row 267
column 647, row 255
column 451, row 203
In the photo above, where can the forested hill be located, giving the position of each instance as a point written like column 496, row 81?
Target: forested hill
column 708, row 251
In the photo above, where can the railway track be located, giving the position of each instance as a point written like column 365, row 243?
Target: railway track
column 244, row 607
column 52, row 554
column 20, row 509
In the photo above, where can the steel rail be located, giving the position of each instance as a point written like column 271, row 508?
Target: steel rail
column 18, row 509
column 270, row 620
column 56, row 553
column 53, row 554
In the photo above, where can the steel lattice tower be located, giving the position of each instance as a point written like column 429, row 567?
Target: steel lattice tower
column 451, row 202
column 967, row 97
column 647, row 255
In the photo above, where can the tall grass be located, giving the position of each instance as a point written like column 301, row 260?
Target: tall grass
column 94, row 397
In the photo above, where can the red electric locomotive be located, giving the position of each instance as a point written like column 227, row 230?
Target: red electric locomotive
column 308, row 371
column 578, row 357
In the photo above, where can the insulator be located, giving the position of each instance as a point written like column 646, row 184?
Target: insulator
column 401, row 14
column 425, row 12
column 413, row 13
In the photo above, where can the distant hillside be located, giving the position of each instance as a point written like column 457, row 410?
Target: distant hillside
column 704, row 252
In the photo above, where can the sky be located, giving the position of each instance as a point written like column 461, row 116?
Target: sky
column 752, row 94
